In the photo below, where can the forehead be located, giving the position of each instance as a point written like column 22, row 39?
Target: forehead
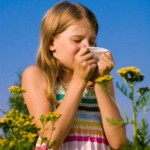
column 82, row 27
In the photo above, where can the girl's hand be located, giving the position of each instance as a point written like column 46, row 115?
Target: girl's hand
column 84, row 64
column 105, row 64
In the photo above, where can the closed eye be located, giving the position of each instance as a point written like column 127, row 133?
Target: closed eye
column 77, row 41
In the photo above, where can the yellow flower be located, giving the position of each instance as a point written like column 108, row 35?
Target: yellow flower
column 124, row 71
column 103, row 80
column 29, row 136
column 52, row 117
column 27, row 123
column 4, row 120
column 131, row 74
column 12, row 144
column 15, row 129
column 16, row 89
column 4, row 142
column 32, row 137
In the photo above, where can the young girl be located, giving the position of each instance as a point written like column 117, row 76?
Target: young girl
column 66, row 70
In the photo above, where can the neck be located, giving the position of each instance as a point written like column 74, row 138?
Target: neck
column 67, row 77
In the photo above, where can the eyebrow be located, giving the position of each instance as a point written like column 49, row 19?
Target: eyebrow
column 80, row 36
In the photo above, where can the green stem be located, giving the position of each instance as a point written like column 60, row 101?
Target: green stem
column 134, row 124
column 48, row 143
column 43, row 130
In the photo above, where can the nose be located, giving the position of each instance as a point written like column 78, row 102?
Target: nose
column 85, row 43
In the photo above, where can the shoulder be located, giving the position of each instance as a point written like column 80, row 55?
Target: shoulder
column 32, row 69
column 35, row 96
column 32, row 74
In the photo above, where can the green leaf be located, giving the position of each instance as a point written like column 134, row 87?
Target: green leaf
column 116, row 122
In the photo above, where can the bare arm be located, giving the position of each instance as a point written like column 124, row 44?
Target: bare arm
column 116, row 135
column 38, row 104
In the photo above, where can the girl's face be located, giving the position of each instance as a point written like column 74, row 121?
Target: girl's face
column 67, row 44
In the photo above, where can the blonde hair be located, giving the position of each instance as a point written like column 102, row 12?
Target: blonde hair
column 55, row 21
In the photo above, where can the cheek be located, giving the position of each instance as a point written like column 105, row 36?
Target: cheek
column 74, row 52
column 71, row 50
column 74, row 49
column 70, row 54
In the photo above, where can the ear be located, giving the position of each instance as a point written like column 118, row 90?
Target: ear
column 51, row 47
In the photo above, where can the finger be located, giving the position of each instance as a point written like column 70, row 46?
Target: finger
column 107, row 55
column 93, row 66
column 92, row 61
column 103, row 65
column 107, row 58
column 89, row 63
column 88, row 56
column 83, row 51
column 107, row 61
